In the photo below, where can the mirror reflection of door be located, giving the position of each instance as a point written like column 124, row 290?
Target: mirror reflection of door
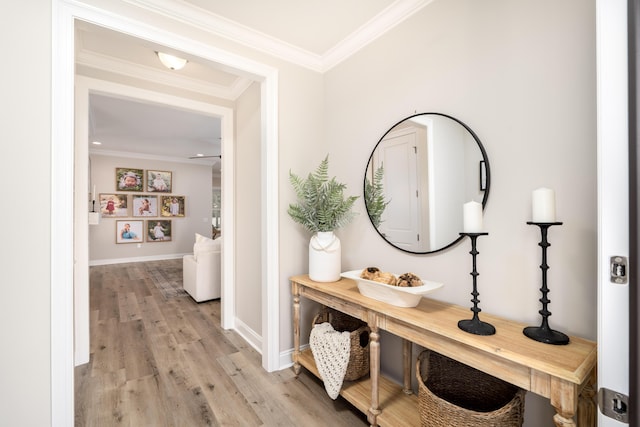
column 398, row 154
column 452, row 164
column 429, row 166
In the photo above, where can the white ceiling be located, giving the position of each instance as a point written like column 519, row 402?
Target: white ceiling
column 123, row 125
column 313, row 26
column 315, row 35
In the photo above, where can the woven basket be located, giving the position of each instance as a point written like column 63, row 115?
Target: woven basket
column 453, row 394
column 359, row 340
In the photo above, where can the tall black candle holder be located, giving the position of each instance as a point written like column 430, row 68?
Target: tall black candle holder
column 544, row 333
column 93, row 205
column 475, row 325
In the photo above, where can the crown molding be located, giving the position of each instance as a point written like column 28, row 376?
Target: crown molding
column 222, row 27
column 376, row 27
column 131, row 69
column 146, row 156
column 217, row 25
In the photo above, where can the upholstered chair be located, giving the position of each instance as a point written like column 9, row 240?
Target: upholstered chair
column 201, row 272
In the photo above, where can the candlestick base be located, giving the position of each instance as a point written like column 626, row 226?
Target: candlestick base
column 477, row 327
column 546, row 335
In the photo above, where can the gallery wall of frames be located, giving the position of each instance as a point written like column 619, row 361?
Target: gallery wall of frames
column 143, row 205
column 146, row 208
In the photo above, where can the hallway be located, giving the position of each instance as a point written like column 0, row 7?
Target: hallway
column 158, row 361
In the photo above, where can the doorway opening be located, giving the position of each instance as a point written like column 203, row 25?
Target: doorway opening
column 85, row 89
column 62, row 184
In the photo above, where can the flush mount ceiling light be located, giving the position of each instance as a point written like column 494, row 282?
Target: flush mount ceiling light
column 170, row 61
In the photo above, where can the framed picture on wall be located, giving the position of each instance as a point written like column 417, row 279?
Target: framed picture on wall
column 159, row 230
column 129, row 231
column 172, row 206
column 158, row 181
column 144, row 205
column 128, row 179
column 113, row 205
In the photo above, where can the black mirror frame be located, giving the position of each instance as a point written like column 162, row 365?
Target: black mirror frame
column 487, row 178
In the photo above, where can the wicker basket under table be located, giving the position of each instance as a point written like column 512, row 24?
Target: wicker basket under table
column 452, row 394
column 358, row 365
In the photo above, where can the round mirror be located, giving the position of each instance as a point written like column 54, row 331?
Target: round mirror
column 419, row 175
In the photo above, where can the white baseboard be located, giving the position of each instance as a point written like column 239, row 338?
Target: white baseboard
column 249, row 335
column 134, row 259
column 286, row 357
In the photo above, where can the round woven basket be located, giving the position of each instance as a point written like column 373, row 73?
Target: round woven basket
column 452, row 394
column 358, row 365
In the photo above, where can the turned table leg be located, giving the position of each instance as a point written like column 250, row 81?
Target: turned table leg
column 564, row 398
column 587, row 403
column 374, row 371
column 296, row 328
column 407, row 363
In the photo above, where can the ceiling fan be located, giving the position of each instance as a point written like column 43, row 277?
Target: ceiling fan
column 202, row 156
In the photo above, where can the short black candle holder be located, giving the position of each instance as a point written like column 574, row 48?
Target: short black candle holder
column 475, row 325
column 544, row 333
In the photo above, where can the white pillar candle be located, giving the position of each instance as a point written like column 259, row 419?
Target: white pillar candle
column 94, row 193
column 544, row 205
column 472, row 217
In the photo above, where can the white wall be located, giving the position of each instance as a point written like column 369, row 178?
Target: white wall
column 522, row 76
column 26, row 167
column 248, row 212
column 189, row 180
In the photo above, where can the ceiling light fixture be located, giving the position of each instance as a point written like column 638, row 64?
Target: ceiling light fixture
column 170, row 61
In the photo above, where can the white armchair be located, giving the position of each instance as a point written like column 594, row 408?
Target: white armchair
column 201, row 272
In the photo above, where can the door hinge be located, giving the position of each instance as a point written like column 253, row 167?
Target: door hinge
column 614, row 405
column 619, row 270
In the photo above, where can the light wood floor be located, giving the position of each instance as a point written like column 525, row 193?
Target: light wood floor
column 167, row 362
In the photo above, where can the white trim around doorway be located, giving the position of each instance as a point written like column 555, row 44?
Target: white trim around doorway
column 65, row 13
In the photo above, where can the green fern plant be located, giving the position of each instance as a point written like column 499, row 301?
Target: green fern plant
column 322, row 205
column 374, row 197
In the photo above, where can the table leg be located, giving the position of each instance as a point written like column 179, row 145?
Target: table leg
column 296, row 328
column 374, row 373
column 564, row 397
column 406, row 353
column 587, row 403
column 561, row 421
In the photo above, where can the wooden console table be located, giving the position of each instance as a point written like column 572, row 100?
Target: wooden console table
column 563, row 374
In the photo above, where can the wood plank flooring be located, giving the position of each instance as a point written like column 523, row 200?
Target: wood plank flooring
column 167, row 362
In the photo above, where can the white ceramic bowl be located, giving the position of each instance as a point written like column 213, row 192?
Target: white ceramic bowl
column 394, row 295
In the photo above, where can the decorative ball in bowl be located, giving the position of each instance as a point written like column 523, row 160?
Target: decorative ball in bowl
column 399, row 296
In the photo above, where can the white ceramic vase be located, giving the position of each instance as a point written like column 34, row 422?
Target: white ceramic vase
column 324, row 257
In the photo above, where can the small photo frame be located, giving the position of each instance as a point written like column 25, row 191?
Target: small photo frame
column 128, row 179
column 144, row 205
column 158, row 181
column 172, row 206
column 129, row 231
column 159, row 230
column 483, row 175
column 113, row 205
